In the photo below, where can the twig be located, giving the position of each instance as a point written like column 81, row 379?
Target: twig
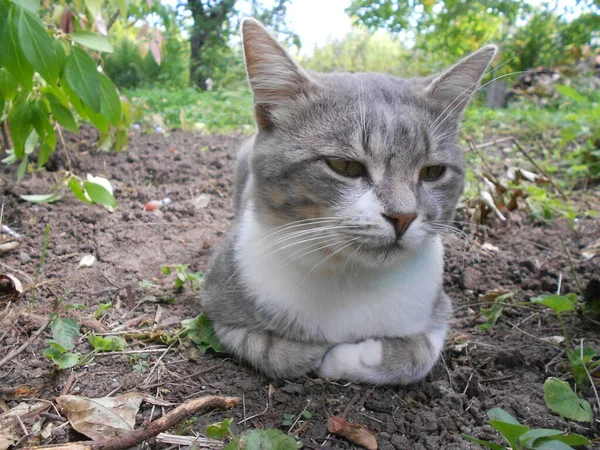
column 64, row 145
column 298, row 417
column 193, row 375
column 493, row 380
column 532, row 161
column 532, row 336
column 167, row 421
column 262, row 413
column 495, row 142
column 475, row 149
column 352, row 401
column 572, row 266
column 189, row 441
column 27, row 343
column 54, row 417
column 157, row 363
column 130, row 352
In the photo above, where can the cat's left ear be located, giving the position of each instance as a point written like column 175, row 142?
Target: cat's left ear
column 454, row 87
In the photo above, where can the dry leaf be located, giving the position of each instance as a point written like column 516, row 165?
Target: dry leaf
column 10, row 285
column 9, row 245
column 354, row 432
column 201, row 201
column 591, row 250
column 10, row 429
column 101, row 418
column 155, row 49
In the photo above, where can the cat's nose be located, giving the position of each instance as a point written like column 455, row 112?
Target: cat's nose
column 401, row 222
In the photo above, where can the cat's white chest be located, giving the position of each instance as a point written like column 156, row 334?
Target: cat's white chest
column 386, row 303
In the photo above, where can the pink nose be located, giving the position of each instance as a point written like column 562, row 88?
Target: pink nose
column 401, row 222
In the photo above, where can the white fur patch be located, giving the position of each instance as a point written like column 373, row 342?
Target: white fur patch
column 352, row 361
column 341, row 308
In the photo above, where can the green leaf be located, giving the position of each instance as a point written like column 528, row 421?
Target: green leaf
column 41, row 123
column 529, row 437
column 64, row 331
column 99, row 194
column 37, row 46
column 11, row 56
column 263, row 440
column 551, row 444
column 199, row 330
column 561, row 399
column 487, row 444
column 64, row 360
column 97, row 119
column 31, row 142
column 509, row 431
column 40, row 198
column 62, row 114
column 121, row 139
column 20, row 126
column 558, row 303
column 94, row 7
column 102, row 308
column 75, row 186
column 572, row 439
column 82, row 77
column 219, row 430
column 502, row 416
column 106, row 344
column 8, row 85
column 92, row 40
column 44, row 153
column 22, row 168
column 127, row 116
column 61, row 56
column 110, row 104
column 571, row 93
column 73, row 97
column 123, row 6
column 29, row 5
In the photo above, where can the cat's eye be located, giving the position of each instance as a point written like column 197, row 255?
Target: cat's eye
column 347, row 168
column 431, row 173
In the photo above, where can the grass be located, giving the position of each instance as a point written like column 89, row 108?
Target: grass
column 192, row 109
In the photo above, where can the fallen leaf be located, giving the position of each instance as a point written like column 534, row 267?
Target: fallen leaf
column 87, row 261
column 101, row 418
column 10, row 245
column 10, row 429
column 554, row 339
column 10, row 285
column 490, row 247
column 354, row 432
column 591, row 250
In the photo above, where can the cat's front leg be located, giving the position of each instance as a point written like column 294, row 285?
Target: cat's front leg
column 385, row 361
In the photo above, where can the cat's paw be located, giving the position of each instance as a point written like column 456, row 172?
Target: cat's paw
column 352, row 361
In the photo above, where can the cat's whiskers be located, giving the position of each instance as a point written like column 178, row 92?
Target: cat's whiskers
column 327, row 258
column 302, row 223
column 350, row 256
column 303, row 233
column 323, row 247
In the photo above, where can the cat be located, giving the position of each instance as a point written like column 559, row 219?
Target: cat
column 334, row 263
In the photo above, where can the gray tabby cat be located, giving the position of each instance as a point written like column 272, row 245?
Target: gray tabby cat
column 334, row 263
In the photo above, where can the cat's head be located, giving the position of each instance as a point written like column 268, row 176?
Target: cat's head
column 357, row 167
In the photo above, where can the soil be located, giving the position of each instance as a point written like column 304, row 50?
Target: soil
column 504, row 367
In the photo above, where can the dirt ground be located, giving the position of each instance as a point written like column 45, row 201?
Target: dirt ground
column 505, row 367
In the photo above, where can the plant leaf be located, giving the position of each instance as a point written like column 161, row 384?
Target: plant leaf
column 570, row 92
column 62, row 114
column 199, row 330
column 558, row 303
column 43, row 127
column 94, row 7
column 82, row 77
column 354, row 432
column 37, row 46
column 110, row 104
column 76, row 188
column 219, row 430
column 487, row 444
column 106, row 344
column 92, row 40
column 509, row 431
column 101, row 418
column 8, row 85
column 263, row 440
column 561, row 399
column 99, row 194
column 20, row 126
column 64, row 331
column 29, row 5
column 11, row 56
column 44, row 153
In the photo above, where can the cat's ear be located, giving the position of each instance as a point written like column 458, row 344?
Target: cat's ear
column 274, row 76
column 454, row 87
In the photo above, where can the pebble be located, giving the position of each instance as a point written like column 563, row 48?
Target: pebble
column 24, row 257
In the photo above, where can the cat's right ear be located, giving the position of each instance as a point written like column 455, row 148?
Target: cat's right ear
column 275, row 78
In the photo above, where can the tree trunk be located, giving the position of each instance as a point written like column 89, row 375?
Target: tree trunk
column 207, row 30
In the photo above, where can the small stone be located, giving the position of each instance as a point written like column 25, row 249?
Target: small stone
column 24, row 257
column 549, row 284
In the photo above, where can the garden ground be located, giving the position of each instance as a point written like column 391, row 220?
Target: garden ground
column 503, row 367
